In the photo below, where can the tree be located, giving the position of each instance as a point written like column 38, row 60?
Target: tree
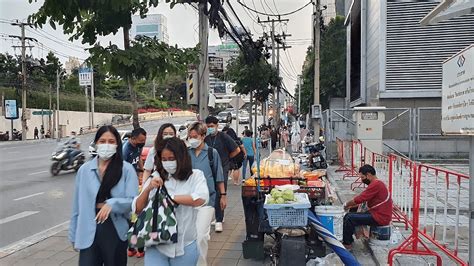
column 90, row 19
column 255, row 76
column 333, row 67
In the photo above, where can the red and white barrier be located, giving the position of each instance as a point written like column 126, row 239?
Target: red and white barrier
column 432, row 201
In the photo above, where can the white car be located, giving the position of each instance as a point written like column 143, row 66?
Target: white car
column 244, row 118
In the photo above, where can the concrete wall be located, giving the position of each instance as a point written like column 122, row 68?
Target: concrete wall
column 433, row 148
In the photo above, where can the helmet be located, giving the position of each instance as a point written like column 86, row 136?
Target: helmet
column 321, row 139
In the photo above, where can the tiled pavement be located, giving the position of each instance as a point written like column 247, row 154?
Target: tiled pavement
column 225, row 249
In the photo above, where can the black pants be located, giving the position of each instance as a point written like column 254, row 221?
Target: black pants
column 107, row 249
column 353, row 219
column 217, row 205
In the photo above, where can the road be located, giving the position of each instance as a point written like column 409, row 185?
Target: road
column 31, row 199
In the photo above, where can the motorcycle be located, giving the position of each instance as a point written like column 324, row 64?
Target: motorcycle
column 61, row 161
column 4, row 136
column 16, row 135
column 316, row 159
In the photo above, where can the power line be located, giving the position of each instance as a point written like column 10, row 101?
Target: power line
column 273, row 15
column 66, row 45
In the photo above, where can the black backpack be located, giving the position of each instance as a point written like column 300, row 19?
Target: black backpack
column 238, row 160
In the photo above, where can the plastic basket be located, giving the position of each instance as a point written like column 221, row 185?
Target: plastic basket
column 288, row 215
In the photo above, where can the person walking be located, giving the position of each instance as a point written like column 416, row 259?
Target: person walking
column 35, row 133
column 188, row 188
column 235, row 165
column 227, row 149
column 250, row 150
column 103, row 193
column 132, row 149
column 42, row 131
column 165, row 131
column 207, row 160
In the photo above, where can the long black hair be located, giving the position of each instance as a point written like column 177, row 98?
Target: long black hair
column 159, row 136
column 184, row 168
column 113, row 173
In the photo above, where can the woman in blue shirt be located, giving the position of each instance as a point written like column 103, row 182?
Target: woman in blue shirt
column 249, row 146
column 103, row 194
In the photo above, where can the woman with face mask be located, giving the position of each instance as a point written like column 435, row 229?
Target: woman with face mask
column 166, row 131
column 99, row 224
column 188, row 188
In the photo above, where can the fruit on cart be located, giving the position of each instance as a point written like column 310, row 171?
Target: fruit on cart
column 252, row 182
column 280, row 197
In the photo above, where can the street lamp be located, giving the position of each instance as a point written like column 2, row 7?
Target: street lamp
column 58, row 74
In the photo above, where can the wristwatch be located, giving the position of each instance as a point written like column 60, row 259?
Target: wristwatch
column 224, row 194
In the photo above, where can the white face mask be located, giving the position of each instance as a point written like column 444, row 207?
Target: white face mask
column 194, row 143
column 167, row 136
column 170, row 166
column 106, row 151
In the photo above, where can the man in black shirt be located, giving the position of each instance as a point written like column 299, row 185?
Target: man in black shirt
column 227, row 149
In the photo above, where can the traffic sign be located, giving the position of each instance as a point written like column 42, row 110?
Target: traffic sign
column 43, row 112
column 85, row 76
column 237, row 102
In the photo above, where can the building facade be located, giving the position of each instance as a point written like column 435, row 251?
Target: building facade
column 153, row 25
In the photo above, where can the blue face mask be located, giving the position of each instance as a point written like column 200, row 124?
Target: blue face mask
column 211, row 131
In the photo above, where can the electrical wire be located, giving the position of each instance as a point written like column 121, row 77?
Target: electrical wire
column 273, row 15
column 64, row 44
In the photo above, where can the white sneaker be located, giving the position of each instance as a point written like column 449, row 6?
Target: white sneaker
column 219, row 228
column 213, row 222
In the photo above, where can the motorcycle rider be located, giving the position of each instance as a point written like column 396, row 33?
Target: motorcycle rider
column 73, row 146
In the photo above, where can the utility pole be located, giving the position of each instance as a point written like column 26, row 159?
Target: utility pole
column 275, row 90
column 203, row 71
column 58, row 73
column 24, row 127
column 154, row 90
column 317, row 41
column 86, row 93
column 92, row 98
column 299, row 94
column 50, row 102
column 280, row 45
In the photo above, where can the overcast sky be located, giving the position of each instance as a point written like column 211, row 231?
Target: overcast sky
column 182, row 30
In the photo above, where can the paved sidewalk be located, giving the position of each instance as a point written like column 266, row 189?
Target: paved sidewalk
column 225, row 249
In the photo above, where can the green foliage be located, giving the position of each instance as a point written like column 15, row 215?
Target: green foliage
column 155, row 103
column 256, row 77
column 147, row 58
column 68, row 102
column 333, row 67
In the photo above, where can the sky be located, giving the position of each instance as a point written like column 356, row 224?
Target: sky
column 182, row 30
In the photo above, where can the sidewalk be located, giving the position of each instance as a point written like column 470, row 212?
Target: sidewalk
column 225, row 249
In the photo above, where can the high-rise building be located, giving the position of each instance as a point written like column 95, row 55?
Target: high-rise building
column 153, row 25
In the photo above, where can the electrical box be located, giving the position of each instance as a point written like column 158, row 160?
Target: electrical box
column 369, row 127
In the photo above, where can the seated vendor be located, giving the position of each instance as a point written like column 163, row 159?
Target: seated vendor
column 379, row 204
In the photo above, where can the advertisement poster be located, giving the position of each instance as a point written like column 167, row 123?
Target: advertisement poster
column 11, row 109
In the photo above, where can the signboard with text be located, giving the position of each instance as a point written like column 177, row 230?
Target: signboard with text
column 216, row 64
column 85, row 76
column 11, row 109
column 457, row 104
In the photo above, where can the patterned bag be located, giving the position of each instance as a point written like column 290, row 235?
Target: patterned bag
column 156, row 224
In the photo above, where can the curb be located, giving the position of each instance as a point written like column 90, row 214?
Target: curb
column 31, row 240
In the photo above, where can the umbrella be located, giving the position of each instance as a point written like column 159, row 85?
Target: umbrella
column 346, row 257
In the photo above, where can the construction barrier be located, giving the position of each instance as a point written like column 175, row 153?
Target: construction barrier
column 341, row 156
column 429, row 200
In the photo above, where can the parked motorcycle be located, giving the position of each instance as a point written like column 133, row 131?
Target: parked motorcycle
column 61, row 161
column 4, row 136
column 316, row 159
column 16, row 134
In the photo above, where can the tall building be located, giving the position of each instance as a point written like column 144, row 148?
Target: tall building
column 71, row 64
column 153, row 25
column 331, row 9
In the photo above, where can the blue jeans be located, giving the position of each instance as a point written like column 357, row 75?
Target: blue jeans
column 155, row 257
column 250, row 160
column 353, row 219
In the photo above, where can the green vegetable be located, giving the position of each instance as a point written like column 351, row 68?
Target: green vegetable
column 280, row 201
column 288, row 195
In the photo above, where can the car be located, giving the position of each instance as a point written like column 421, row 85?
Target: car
column 234, row 114
column 244, row 118
column 224, row 116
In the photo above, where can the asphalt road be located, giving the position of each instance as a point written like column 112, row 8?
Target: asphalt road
column 31, row 199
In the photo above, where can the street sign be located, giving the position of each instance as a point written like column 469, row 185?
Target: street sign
column 316, row 111
column 216, row 64
column 191, row 87
column 85, row 76
column 457, row 102
column 43, row 112
column 237, row 102
column 11, row 109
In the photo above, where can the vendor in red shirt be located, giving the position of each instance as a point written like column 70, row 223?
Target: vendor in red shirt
column 378, row 201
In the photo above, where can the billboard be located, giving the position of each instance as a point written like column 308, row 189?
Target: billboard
column 11, row 109
column 457, row 103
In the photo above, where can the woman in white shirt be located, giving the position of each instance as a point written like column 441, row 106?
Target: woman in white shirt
column 188, row 188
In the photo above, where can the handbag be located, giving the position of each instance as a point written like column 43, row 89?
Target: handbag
column 157, row 223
